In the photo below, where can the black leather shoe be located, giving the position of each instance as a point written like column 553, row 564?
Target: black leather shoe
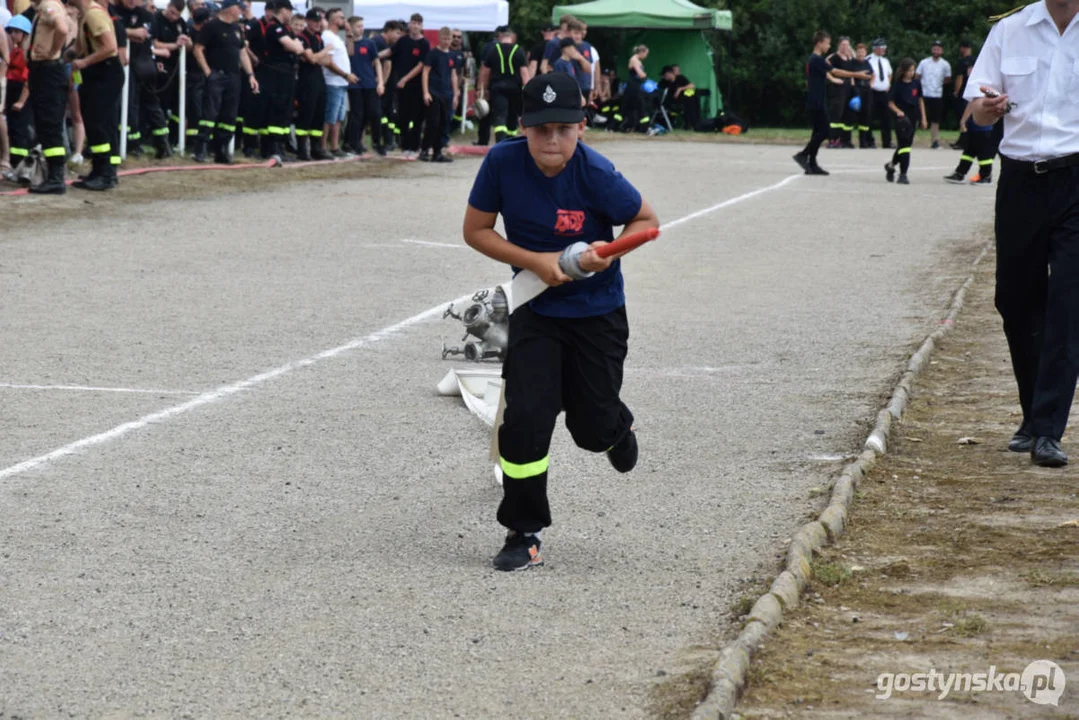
column 1046, row 452
column 1021, row 442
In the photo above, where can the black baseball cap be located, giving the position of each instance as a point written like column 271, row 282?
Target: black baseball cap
column 552, row 98
column 313, row 14
column 283, row 5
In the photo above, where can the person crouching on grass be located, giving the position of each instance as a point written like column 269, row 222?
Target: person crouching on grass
column 566, row 347
column 908, row 105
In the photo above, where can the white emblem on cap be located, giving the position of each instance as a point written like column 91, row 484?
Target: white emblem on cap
column 549, row 95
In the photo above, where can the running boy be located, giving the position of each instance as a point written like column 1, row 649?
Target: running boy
column 907, row 103
column 978, row 144
column 566, row 347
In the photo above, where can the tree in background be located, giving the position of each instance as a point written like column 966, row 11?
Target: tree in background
column 761, row 65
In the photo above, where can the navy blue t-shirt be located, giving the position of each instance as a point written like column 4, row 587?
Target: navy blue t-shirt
column 443, row 64
column 553, row 51
column 584, row 79
column 362, row 63
column 565, row 66
column 583, row 203
column 817, row 69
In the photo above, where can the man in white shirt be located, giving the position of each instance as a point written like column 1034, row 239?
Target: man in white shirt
column 934, row 71
column 1026, row 74
column 337, row 80
column 880, row 85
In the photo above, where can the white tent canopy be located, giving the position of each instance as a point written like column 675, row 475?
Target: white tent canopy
column 468, row 15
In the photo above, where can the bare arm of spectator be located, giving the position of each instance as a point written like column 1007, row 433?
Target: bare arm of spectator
column 485, row 77
column 292, row 45
column 24, row 96
column 139, row 34
column 411, row 74
column 5, row 51
column 245, row 65
column 577, row 57
column 59, row 23
column 526, row 74
column 380, row 79
column 426, row 83
column 352, row 79
column 678, row 92
column 861, row 75
column 456, row 88
column 921, row 106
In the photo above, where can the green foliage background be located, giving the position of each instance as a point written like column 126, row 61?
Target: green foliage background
column 761, row 65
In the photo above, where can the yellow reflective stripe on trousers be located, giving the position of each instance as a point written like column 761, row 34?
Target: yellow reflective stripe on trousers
column 966, row 158
column 98, row 149
column 903, row 151
column 521, row 472
column 985, row 162
column 223, row 126
column 206, row 123
column 275, row 130
column 160, row 131
column 114, row 160
column 191, row 131
column 301, row 133
column 501, row 128
column 20, row 152
column 250, row 131
column 54, row 152
column 316, row 133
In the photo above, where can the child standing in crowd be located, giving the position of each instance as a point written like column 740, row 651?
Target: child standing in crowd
column 565, row 64
column 364, row 97
column 17, row 104
column 909, row 107
column 439, row 92
column 566, row 347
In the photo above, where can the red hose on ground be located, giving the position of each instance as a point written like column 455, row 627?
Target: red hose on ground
column 456, row 150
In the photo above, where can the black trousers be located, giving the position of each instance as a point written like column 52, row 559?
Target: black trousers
column 101, row 97
column 196, row 103
column 310, row 105
column 863, row 117
column 818, row 116
column 505, row 110
column 435, row 125
column 1037, row 290
column 837, row 108
column 221, row 102
column 20, row 124
column 410, row 114
column 151, row 116
column 391, row 132
column 364, row 109
column 255, row 111
column 483, row 130
column 904, row 137
column 978, row 146
column 281, row 94
column 48, row 98
column 882, row 112
column 555, row 364
column 635, row 108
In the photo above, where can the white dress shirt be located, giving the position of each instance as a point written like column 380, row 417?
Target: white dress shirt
column 932, row 73
column 882, row 70
column 1037, row 67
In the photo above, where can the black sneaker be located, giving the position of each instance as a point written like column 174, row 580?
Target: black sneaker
column 519, row 553
column 955, row 178
column 889, row 172
column 425, row 156
column 982, row 180
column 802, row 160
column 440, row 158
column 935, row 145
column 623, row 456
column 902, row 179
column 381, row 150
column 815, row 169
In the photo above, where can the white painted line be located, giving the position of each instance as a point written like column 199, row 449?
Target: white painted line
column 214, row 396
column 91, row 388
column 434, row 244
column 733, row 201
column 221, row 393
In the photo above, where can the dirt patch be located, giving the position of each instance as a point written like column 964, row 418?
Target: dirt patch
column 959, row 557
column 23, row 210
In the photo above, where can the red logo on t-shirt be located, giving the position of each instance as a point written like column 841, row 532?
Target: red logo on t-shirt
column 451, row 62
column 363, row 51
column 569, row 222
column 415, row 52
column 588, row 54
column 914, row 92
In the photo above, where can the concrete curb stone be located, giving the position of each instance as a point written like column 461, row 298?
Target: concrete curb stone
column 732, row 667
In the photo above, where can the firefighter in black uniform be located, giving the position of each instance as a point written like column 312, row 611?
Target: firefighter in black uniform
column 48, row 89
column 311, row 90
column 196, row 84
column 170, row 35
column 483, row 126
column 865, row 97
column 281, row 55
column 142, row 102
column 100, row 93
column 504, row 69
column 219, row 53
column 252, row 106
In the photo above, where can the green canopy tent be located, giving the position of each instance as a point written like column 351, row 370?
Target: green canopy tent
column 673, row 30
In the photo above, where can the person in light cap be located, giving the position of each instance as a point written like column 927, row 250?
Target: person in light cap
column 568, row 345
column 881, row 85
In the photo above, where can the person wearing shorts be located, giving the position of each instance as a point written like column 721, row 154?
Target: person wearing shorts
column 338, row 76
column 933, row 72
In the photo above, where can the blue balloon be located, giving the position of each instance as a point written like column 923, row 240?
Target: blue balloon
column 855, row 103
column 649, row 86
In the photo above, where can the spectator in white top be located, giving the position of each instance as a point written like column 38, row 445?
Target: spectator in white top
column 337, row 81
column 934, row 71
column 880, row 85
